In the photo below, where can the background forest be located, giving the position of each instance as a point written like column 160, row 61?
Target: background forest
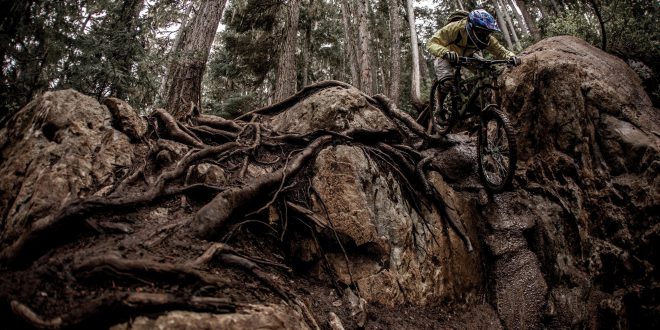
column 232, row 56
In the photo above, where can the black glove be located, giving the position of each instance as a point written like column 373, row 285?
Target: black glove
column 452, row 57
column 515, row 60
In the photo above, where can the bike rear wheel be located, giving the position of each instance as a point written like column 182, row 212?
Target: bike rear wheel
column 442, row 114
column 497, row 150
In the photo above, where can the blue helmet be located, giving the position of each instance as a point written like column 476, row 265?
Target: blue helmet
column 480, row 24
column 482, row 19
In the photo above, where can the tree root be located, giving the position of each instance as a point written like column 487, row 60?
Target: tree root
column 232, row 202
column 292, row 100
column 176, row 130
column 220, row 248
column 80, row 208
column 114, row 308
column 392, row 111
column 140, row 269
column 218, row 122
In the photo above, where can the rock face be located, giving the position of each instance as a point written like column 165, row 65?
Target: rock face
column 266, row 317
column 336, row 109
column 353, row 238
column 398, row 252
column 398, row 247
column 587, row 190
column 59, row 147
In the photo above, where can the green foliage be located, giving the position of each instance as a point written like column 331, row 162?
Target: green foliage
column 234, row 106
column 573, row 23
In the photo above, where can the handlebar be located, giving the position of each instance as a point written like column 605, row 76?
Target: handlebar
column 468, row 60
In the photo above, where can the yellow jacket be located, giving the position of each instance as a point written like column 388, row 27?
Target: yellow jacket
column 447, row 39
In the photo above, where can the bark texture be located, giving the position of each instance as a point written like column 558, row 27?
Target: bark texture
column 186, row 71
column 395, row 50
column 364, row 35
column 287, row 78
column 350, row 42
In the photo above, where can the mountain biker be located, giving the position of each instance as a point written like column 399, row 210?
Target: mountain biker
column 466, row 37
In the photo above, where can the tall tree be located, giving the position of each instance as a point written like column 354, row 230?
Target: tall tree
column 395, row 50
column 286, row 68
column 529, row 20
column 366, row 76
column 519, row 18
column 177, row 45
column 416, row 93
column 502, row 23
column 603, row 33
column 310, row 18
column 509, row 21
column 184, row 81
column 350, row 42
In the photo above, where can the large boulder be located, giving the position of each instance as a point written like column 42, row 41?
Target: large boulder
column 397, row 247
column 59, row 147
column 587, row 190
column 335, row 109
column 397, row 252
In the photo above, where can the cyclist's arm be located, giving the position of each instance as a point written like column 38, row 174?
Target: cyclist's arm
column 498, row 51
column 438, row 45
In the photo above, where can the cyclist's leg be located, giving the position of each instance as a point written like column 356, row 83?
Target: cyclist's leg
column 444, row 71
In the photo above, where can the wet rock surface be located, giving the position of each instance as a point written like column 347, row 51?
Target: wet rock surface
column 350, row 239
column 587, row 182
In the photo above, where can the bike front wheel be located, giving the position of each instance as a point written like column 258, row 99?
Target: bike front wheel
column 496, row 150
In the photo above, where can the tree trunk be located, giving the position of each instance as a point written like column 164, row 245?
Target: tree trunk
column 184, row 81
column 366, row 79
column 395, row 50
column 512, row 28
column 502, row 23
column 416, row 89
column 286, row 68
column 519, row 18
column 307, row 43
column 176, row 46
column 350, row 42
column 603, row 35
column 544, row 10
column 529, row 20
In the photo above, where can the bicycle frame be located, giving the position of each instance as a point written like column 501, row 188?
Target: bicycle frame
column 482, row 80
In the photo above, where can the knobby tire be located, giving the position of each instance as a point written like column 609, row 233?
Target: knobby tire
column 491, row 115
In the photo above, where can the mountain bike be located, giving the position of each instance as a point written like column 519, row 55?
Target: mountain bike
column 475, row 97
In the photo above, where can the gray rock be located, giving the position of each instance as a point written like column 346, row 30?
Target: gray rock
column 59, row 147
column 265, row 317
